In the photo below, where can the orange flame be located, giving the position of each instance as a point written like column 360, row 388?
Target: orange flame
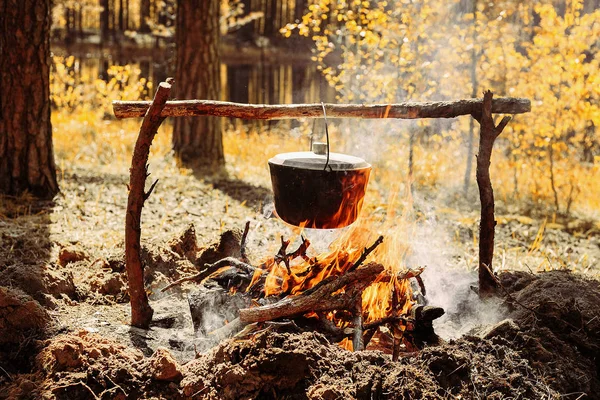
column 382, row 299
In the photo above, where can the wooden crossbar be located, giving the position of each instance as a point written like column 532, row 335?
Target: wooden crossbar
column 411, row 110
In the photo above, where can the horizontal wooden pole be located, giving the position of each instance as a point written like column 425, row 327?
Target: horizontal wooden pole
column 437, row 109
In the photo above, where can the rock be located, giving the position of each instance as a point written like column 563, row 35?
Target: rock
column 110, row 284
column 227, row 246
column 185, row 244
column 71, row 254
column 59, row 283
column 163, row 367
column 507, row 329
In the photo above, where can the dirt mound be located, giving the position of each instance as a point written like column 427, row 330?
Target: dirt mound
column 307, row 366
column 20, row 317
column 558, row 314
column 43, row 283
column 84, row 365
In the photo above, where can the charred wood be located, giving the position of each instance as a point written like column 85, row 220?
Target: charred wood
column 322, row 297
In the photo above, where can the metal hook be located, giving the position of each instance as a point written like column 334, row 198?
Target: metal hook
column 326, row 135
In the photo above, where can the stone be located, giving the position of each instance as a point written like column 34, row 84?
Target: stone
column 163, row 366
column 71, row 254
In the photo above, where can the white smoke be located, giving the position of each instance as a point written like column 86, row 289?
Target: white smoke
column 448, row 285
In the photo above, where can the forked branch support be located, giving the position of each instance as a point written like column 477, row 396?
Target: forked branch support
column 411, row 110
column 156, row 111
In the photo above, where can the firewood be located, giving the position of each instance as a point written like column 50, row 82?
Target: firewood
column 210, row 269
column 322, row 297
column 365, row 253
column 243, row 256
column 357, row 337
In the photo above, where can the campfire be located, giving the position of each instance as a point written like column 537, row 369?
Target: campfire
column 359, row 293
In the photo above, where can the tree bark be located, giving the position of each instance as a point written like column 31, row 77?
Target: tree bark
column 198, row 141
column 26, row 151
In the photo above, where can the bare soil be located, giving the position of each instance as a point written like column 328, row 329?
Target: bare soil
column 64, row 314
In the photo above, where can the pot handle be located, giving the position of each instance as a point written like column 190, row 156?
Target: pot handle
column 326, row 135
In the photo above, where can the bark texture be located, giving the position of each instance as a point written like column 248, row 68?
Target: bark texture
column 198, row 141
column 26, row 152
column 411, row 110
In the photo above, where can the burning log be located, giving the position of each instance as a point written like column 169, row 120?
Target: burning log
column 319, row 298
column 326, row 297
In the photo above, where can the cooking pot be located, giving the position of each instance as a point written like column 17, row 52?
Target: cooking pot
column 318, row 189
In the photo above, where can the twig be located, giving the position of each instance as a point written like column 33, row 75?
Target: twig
column 365, row 253
column 7, row 374
column 244, row 257
column 281, row 255
column 115, row 385
column 300, row 251
column 149, row 192
column 284, row 257
column 357, row 321
column 78, row 383
column 210, row 269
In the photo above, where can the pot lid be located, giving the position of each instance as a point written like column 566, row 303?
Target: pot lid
column 310, row 160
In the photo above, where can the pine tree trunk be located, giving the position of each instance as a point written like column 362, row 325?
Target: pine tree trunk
column 144, row 15
column 198, row 141
column 121, row 17
column 26, row 153
column 104, row 21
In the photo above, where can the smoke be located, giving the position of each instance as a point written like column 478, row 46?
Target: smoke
column 449, row 286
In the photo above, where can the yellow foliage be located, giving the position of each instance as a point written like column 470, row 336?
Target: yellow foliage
column 424, row 50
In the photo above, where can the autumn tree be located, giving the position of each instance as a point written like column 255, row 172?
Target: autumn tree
column 198, row 142
column 26, row 152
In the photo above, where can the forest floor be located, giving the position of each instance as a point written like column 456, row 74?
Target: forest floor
column 64, row 313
